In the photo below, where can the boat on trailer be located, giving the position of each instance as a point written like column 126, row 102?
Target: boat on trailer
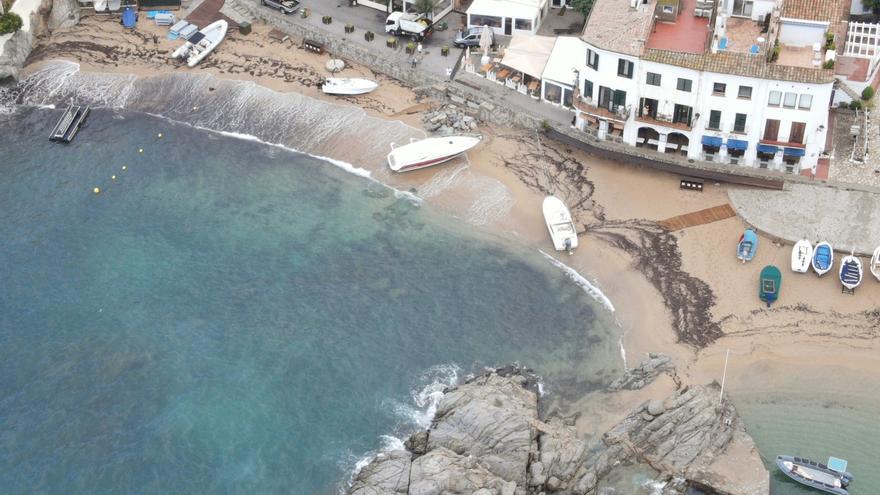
column 875, row 264
column 850, row 272
column 823, row 258
column 200, row 44
column 562, row 229
column 747, row 246
column 770, row 284
column 428, row 152
column 830, row 478
column 347, row 86
column 801, row 255
column 69, row 123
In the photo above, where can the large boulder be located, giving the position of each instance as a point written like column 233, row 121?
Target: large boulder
column 386, row 474
column 443, row 472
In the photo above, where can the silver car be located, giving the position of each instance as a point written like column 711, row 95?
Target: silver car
column 471, row 37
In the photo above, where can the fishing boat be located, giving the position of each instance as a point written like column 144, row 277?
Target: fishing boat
column 823, row 258
column 347, row 86
column 559, row 223
column 428, row 152
column 830, row 478
column 801, row 255
column 770, row 284
column 199, row 45
column 850, row 271
column 875, row 264
column 747, row 246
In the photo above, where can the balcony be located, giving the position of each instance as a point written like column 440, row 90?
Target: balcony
column 621, row 113
column 665, row 121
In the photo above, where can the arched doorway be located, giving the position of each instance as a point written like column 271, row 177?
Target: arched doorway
column 648, row 138
column 677, row 142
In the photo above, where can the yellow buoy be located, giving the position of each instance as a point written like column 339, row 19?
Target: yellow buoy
column 140, row 150
column 96, row 190
column 124, row 167
column 113, row 177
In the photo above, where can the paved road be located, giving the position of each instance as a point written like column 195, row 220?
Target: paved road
column 847, row 219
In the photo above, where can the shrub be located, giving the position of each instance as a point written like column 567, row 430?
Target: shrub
column 410, row 47
column 10, row 22
column 843, row 105
column 369, row 36
column 867, row 93
column 829, row 64
column 444, row 50
column 855, row 105
column 349, row 28
column 327, row 19
column 391, row 42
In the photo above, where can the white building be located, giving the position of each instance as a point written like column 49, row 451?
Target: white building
column 442, row 7
column 696, row 79
column 508, row 17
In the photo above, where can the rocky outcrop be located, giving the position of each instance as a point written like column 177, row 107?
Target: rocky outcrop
column 487, row 439
column 451, row 118
column 640, row 376
column 50, row 15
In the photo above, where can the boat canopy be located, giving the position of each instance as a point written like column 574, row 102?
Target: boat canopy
column 196, row 37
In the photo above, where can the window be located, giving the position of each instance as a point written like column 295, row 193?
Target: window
column 739, row 123
column 715, row 119
column 745, row 92
column 668, row 9
column 592, row 59
column 797, row 132
column 653, row 79
column 624, row 68
column 719, row 89
column 588, row 89
column 619, row 98
column 790, row 100
column 523, row 24
column 486, row 20
column 684, row 84
column 806, row 102
column 775, row 98
column 682, row 114
column 648, row 108
column 771, row 130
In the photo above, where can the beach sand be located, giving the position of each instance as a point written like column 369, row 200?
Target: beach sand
column 680, row 293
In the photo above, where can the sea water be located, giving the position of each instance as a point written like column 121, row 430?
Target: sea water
column 226, row 316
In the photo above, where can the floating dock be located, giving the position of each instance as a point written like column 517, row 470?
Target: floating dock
column 69, row 123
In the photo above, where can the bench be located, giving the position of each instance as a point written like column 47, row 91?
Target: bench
column 313, row 46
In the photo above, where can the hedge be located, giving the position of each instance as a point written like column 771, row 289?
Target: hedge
column 10, row 22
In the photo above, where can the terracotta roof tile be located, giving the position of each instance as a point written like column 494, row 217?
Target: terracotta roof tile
column 740, row 64
column 813, row 10
column 613, row 25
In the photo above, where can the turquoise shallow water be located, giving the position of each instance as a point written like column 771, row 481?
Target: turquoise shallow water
column 230, row 317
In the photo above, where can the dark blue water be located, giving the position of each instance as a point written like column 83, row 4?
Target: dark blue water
column 230, row 317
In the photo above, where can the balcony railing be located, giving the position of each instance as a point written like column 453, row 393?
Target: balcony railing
column 619, row 113
column 664, row 120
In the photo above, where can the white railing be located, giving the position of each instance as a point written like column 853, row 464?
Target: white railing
column 862, row 40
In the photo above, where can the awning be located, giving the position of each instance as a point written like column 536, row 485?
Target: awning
column 737, row 144
column 766, row 148
column 567, row 55
column 528, row 54
column 794, row 152
column 713, row 141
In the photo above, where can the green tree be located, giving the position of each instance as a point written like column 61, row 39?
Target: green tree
column 427, row 7
column 10, row 22
column 874, row 5
column 585, row 6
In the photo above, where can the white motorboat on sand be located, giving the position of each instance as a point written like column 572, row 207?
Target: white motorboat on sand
column 200, row 44
column 875, row 264
column 347, row 86
column 801, row 256
column 559, row 223
column 850, row 272
column 428, row 152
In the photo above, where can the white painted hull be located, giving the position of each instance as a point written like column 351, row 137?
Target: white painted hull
column 100, row 5
column 195, row 52
column 801, row 256
column 875, row 264
column 562, row 230
column 823, row 271
column 429, row 152
column 348, row 86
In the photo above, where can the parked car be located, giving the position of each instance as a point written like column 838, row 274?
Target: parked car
column 471, row 37
column 285, row 6
column 415, row 26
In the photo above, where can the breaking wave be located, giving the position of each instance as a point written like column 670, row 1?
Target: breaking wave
column 581, row 281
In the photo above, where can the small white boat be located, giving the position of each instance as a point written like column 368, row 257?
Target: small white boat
column 850, row 271
column 823, row 258
column 114, row 5
column 199, row 45
column 348, row 86
column 428, row 152
column 875, row 264
column 100, row 5
column 801, row 256
column 559, row 223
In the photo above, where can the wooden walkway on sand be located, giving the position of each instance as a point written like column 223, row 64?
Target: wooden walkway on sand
column 700, row 217
column 209, row 11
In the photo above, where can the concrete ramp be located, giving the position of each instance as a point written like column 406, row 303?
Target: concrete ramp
column 700, row 217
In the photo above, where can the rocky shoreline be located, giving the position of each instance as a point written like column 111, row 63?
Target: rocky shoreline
column 487, row 438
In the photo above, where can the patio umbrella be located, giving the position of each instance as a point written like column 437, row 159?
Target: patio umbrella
column 485, row 40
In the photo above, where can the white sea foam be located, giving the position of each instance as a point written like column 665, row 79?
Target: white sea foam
column 581, row 281
column 655, row 486
column 443, row 179
column 493, row 201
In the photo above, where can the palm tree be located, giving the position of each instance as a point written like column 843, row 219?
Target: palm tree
column 425, row 7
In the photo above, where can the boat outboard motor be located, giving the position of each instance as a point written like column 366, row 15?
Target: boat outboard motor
column 568, row 245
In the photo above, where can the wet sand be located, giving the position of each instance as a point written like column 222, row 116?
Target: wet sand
column 679, row 293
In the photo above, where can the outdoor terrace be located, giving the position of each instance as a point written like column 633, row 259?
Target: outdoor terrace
column 688, row 34
column 742, row 34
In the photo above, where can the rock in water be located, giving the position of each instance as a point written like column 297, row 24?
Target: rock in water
column 417, row 443
column 643, row 374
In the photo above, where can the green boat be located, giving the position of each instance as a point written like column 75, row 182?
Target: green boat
column 771, row 283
